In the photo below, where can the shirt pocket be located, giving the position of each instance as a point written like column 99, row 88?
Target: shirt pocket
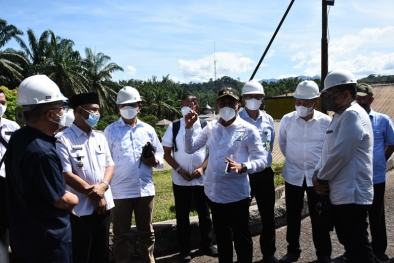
column 101, row 156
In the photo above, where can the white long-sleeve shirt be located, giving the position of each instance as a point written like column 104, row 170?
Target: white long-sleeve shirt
column 125, row 143
column 346, row 160
column 7, row 128
column 188, row 162
column 242, row 141
column 301, row 143
column 92, row 150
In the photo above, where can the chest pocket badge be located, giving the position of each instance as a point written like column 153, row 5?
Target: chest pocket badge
column 267, row 140
column 79, row 158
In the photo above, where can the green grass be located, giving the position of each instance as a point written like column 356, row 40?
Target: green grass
column 164, row 199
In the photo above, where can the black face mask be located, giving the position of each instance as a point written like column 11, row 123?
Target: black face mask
column 329, row 103
column 365, row 106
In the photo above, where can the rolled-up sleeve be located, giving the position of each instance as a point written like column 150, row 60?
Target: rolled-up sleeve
column 257, row 155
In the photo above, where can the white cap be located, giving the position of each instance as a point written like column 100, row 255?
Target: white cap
column 38, row 89
column 128, row 95
column 307, row 90
column 339, row 77
column 252, row 87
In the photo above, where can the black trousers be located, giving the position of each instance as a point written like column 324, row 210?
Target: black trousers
column 294, row 204
column 377, row 220
column 90, row 238
column 351, row 225
column 263, row 189
column 184, row 197
column 231, row 221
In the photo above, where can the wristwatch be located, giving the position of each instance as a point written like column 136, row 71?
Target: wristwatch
column 106, row 185
column 178, row 169
column 244, row 168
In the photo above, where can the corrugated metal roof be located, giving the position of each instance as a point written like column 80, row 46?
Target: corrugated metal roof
column 383, row 103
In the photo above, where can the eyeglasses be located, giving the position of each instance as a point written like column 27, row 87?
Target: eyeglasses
column 91, row 111
column 329, row 95
column 253, row 96
column 134, row 105
column 64, row 107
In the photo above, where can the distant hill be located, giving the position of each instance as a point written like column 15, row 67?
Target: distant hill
column 302, row 77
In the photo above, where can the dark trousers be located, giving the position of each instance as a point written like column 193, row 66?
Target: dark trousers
column 351, row 225
column 184, row 197
column 59, row 253
column 377, row 220
column 90, row 238
column 263, row 189
column 231, row 221
column 294, row 205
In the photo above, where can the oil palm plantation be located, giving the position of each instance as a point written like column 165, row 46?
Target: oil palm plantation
column 99, row 70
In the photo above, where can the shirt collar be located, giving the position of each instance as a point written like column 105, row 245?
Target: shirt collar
column 236, row 122
column 372, row 113
column 40, row 134
column 122, row 123
column 345, row 107
column 78, row 131
column 311, row 119
column 246, row 114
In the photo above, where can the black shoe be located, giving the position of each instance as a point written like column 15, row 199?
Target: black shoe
column 381, row 258
column 209, row 251
column 324, row 259
column 290, row 257
column 185, row 257
column 344, row 256
column 270, row 259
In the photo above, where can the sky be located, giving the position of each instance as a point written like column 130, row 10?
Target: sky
column 184, row 38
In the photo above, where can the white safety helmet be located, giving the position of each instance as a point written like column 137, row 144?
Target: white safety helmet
column 339, row 77
column 307, row 90
column 253, row 87
column 38, row 89
column 128, row 95
column 69, row 118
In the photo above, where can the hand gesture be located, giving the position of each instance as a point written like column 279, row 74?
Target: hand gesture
column 97, row 191
column 234, row 165
column 320, row 188
column 185, row 175
column 151, row 161
column 197, row 173
column 191, row 117
column 100, row 206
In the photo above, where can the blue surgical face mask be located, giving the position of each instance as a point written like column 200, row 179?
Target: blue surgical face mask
column 93, row 118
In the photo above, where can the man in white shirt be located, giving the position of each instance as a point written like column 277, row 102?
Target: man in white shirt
column 187, row 178
column 262, row 183
column 301, row 136
column 132, row 186
column 88, row 169
column 7, row 127
column 235, row 149
column 345, row 168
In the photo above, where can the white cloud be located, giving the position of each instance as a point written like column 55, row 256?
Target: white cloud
column 271, row 54
column 130, row 70
column 177, row 79
column 296, row 46
column 363, row 53
column 227, row 64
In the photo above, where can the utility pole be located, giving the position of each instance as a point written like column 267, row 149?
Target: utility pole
column 324, row 48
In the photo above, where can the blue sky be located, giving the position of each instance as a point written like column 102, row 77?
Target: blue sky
column 155, row 38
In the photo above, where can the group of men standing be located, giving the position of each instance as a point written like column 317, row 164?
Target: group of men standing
column 69, row 185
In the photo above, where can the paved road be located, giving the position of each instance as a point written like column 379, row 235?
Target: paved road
column 308, row 252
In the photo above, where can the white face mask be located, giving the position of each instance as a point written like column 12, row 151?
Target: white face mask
column 253, row 104
column 227, row 113
column 185, row 110
column 303, row 111
column 128, row 112
column 62, row 121
column 2, row 109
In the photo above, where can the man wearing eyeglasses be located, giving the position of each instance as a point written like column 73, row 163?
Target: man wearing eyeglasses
column 38, row 203
column 235, row 149
column 344, row 171
column 88, row 170
column 262, row 186
column 132, row 186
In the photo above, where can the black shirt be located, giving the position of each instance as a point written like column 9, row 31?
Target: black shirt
column 34, row 182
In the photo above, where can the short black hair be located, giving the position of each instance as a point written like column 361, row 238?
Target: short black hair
column 192, row 97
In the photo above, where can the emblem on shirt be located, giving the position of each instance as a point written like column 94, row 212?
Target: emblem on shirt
column 267, row 140
column 79, row 162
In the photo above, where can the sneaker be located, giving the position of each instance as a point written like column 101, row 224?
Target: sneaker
column 185, row 257
column 209, row 251
column 382, row 258
column 270, row 259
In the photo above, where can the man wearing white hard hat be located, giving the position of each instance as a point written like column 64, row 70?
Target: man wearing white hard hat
column 37, row 201
column 344, row 171
column 132, row 186
column 301, row 136
column 262, row 183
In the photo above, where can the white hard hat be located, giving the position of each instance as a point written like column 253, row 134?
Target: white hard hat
column 69, row 118
column 38, row 89
column 128, row 95
column 339, row 77
column 307, row 90
column 253, row 87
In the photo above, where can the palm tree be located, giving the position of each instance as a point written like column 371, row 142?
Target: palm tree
column 64, row 66
column 11, row 62
column 99, row 73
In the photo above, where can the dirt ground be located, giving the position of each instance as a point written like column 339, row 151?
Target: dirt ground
column 308, row 251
